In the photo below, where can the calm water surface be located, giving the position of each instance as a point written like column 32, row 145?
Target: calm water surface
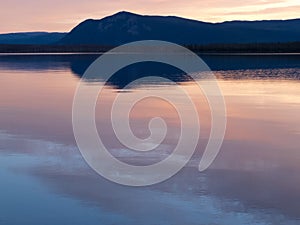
column 254, row 180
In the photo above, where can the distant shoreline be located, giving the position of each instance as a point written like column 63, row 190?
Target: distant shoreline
column 253, row 48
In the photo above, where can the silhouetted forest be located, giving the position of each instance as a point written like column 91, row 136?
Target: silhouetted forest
column 290, row 47
column 52, row 48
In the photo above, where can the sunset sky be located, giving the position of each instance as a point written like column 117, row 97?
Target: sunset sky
column 57, row 15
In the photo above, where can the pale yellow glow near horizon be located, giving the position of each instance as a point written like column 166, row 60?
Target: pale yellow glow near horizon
column 62, row 16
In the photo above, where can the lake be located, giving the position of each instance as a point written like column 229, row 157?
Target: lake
column 254, row 179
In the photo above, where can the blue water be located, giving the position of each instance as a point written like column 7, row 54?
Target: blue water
column 254, row 180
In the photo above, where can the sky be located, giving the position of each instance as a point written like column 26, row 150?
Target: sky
column 62, row 16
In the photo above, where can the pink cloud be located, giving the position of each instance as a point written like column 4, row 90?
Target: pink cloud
column 55, row 15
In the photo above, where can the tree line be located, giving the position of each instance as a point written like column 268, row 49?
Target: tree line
column 290, row 47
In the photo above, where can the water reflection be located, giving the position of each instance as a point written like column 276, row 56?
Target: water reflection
column 266, row 65
column 255, row 179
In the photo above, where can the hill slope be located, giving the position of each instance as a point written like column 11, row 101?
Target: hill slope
column 31, row 38
column 124, row 27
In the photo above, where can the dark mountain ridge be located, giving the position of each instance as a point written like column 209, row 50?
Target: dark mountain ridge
column 31, row 38
column 125, row 27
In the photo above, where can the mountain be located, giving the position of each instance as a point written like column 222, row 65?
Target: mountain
column 125, row 27
column 31, row 38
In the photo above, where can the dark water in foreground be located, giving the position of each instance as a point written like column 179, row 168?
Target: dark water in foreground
column 254, row 180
